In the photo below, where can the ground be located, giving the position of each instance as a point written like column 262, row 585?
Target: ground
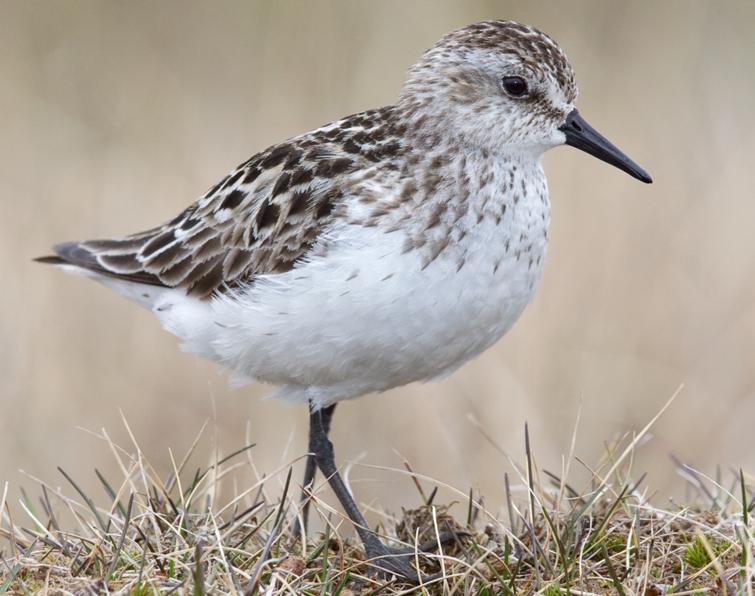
column 157, row 535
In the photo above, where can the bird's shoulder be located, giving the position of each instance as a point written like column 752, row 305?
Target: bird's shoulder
column 262, row 217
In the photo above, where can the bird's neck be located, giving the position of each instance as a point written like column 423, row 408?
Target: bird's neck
column 449, row 193
column 425, row 134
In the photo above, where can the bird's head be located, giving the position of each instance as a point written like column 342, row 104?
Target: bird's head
column 502, row 86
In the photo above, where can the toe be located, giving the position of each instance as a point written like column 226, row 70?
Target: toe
column 398, row 561
column 443, row 538
column 395, row 564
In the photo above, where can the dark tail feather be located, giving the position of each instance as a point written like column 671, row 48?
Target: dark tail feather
column 74, row 253
column 50, row 260
column 71, row 253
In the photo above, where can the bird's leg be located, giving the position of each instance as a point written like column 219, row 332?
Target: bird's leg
column 392, row 560
column 310, row 470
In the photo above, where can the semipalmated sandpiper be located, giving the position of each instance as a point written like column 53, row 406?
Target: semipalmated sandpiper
column 388, row 247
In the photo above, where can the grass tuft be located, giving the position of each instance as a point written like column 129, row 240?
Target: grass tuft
column 225, row 529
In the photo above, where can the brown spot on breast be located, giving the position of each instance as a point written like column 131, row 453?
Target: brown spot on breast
column 433, row 219
column 324, row 208
column 408, row 191
column 436, row 248
column 431, row 182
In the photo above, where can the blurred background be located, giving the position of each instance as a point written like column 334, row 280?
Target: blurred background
column 116, row 115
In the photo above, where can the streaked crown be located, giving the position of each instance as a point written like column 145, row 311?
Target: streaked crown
column 493, row 84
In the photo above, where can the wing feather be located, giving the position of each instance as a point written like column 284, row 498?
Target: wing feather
column 262, row 217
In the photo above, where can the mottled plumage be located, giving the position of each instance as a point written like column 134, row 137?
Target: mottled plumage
column 261, row 218
column 268, row 212
column 388, row 247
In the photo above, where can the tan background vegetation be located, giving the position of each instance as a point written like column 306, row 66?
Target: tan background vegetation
column 115, row 115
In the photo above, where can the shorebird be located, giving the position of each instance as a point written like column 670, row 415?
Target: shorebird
column 385, row 248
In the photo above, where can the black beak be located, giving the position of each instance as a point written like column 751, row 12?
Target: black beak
column 581, row 135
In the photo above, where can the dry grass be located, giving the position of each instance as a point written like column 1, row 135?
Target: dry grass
column 179, row 535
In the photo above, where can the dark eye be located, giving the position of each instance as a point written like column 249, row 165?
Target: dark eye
column 514, row 86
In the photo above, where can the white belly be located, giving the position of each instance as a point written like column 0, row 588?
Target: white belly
column 366, row 316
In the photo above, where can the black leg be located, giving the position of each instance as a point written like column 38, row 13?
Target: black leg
column 393, row 560
column 310, row 470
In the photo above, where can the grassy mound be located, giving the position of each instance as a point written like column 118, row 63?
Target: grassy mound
column 178, row 535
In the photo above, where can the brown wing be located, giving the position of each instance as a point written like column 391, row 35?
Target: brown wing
column 261, row 218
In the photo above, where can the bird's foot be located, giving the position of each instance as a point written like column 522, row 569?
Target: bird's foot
column 398, row 561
